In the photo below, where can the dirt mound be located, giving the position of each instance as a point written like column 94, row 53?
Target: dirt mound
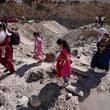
column 50, row 31
column 80, row 36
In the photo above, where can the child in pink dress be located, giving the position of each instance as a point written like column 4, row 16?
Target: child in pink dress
column 38, row 47
column 63, row 62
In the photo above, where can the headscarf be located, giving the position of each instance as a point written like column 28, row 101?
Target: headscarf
column 2, row 36
column 8, row 33
column 3, row 33
column 104, row 43
column 102, row 31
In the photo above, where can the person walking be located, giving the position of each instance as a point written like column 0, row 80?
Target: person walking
column 63, row 61
column 102, row 21
column 38, row 46
column 6, row 51
column 96, row 20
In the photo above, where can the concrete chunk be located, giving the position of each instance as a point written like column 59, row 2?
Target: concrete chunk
column 75, row 90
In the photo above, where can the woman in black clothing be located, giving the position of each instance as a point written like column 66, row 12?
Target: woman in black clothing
column 102, row 57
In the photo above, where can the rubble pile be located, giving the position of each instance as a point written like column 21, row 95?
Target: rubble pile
column 50, row 32
column 36, row 86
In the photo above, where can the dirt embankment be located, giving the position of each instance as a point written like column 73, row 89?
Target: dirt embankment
column 71, row 15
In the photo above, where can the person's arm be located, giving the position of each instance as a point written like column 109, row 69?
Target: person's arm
column 41, row 42
column 65, row 53
column 35, row 46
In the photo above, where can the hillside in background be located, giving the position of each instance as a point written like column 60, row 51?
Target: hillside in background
column 72, row 14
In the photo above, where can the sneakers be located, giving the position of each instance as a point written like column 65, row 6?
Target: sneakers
column 5, row 71
column 10, row 73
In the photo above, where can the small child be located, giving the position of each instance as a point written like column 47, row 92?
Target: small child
column 96, row 20
column 102, row 21
column 38, row 47
column 63, row 62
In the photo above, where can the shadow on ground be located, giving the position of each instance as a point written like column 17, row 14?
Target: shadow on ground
column 48, row 96
column 87, row 83
column 23, row 69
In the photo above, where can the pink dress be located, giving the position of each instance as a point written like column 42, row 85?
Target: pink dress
column 38, row 49
column 63, row 63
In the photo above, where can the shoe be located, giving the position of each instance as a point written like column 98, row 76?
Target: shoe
column 40, row 62
column 5, row 71
column 65, row 85
column 11, row 72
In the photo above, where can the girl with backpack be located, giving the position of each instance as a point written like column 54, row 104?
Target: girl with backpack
column 38, row 47
column 63, row 62
column 6, row 51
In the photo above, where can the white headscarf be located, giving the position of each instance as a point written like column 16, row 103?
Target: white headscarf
column 102, row 31
column 8, row 33
column 3, row 35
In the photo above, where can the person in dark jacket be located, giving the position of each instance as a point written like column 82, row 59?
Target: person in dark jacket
column 102, row 57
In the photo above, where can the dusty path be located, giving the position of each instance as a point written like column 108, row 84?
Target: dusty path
column 96, row 101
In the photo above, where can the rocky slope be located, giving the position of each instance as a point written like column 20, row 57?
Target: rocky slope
column 41, row 81
column 69, row 14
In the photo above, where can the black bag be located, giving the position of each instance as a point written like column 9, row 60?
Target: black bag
column 15, row 38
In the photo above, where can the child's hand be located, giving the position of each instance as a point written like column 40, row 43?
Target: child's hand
column 64, row 62
column 34, row 57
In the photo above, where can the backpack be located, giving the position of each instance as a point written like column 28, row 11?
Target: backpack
column 15, row 38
